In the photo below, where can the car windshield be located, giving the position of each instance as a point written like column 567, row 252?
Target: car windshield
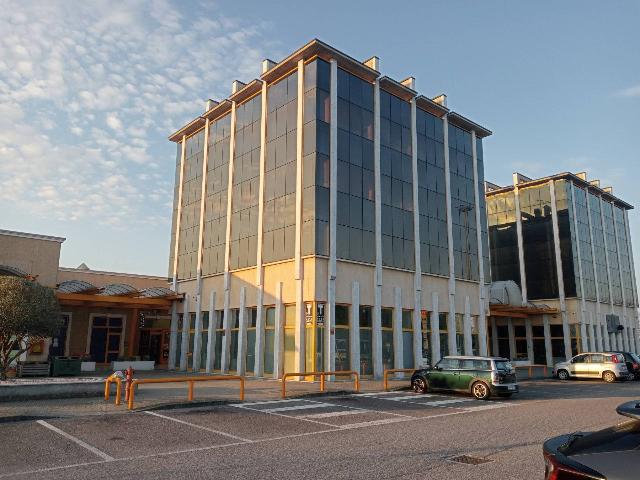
column 635, row 357
column 504, row 365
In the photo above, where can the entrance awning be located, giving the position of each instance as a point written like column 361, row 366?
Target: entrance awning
column 520, row 311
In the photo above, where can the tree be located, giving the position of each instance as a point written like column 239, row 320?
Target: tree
column 29, row 313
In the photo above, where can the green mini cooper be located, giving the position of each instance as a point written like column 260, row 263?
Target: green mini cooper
column 480, row 376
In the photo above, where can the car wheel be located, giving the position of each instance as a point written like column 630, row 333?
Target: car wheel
column 609, row 377
column 419, row 385
column 563, row 375
column 480, row 391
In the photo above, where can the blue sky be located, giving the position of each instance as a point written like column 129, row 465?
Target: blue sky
column 89, row 93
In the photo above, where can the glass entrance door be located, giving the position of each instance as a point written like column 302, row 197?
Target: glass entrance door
column 105, row 342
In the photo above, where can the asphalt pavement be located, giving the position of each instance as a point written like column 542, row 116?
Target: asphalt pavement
column 372, row 435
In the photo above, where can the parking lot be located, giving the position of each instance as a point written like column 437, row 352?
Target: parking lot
column 379, row 435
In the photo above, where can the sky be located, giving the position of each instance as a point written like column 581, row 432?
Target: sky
column 89, row 94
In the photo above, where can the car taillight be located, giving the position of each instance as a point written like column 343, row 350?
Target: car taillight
column 553, row 470
column 635, row 366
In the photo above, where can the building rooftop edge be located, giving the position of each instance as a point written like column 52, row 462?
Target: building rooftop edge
column 558, row 176
column 318, row 48
column 104, row 272
column 34, row 236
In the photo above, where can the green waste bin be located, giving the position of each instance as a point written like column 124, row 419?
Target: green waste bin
column 65, row 366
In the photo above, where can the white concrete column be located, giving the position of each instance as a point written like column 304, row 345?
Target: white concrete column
column 173, row 336
column 556, row 243
column 633, row 269
column 354, row 328
column 592, row 335
column 512, row 339
column 529, row 334
column 226, row 344
column 377, row 277
column 176, row 248
column 547, row 340
column 417, row 279
column 583, row 306
column 241, row 358
column 260, row 311
column 523, row 273
column 623, row 338
column 299, row 263
column 397, row 328
column 482, row 307
column 278, row 341
column 211, row 333
column 605, row 337
column 186, row 326
column 329, row 330
column 468, row 340
column 451, row 318
column 434, row 318
column 595, row 323
column 608, row 338
column 494, row 338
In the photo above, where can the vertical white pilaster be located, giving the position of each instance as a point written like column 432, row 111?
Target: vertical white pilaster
column 609, row 339
column 592, row 336
column 434, row 318
column 623, row 337
column 354, row 327
column 482, row 308
column 529, row 335
column 330, row 354
column 547, row 340
column 523, row 273
column 377, row 277
column 595, row 323
column 197, row 337
column 241, row 359
column 260, row 321
column 417, row 280
column 226, row 344
column 299, row 263
column 633, row 269
column 583, row 305
column 556, row 243
column 211, row 333
column 468, row 340
column 451, row 318
column 278, row 341
column 186, row 326
column 176, row 248
column 397, row 328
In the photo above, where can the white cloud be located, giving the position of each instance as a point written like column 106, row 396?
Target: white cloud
column 630, row 92
column 89, row 93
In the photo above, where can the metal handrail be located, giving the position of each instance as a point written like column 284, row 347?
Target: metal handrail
column 385, row 375
column 107, row 391
column 531, row 367
column 351, row 373
column 189, row 380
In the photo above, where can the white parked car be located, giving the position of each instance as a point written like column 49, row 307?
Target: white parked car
column 607, row 366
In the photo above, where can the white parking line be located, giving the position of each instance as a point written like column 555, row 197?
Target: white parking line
column 76, row 440
column 299, row 407
column 382, row 421
column 337, row 414
column 372, row 394
column 224, row 434
column 406, row 397
column 266, row 402
column 439, row 403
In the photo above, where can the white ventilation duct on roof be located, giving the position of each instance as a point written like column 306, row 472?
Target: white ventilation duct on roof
column 505, row 293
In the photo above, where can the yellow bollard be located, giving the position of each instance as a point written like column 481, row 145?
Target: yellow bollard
column 190, row 397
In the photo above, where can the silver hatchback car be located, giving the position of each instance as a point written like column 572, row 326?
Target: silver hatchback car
column 607, row 366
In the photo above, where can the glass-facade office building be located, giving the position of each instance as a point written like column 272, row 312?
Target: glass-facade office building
column 327, row 217
column 565, row 242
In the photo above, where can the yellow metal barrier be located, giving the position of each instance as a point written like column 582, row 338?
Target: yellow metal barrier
column 189, row 380
column 531, row 367
column 107, row 392
column 350, row 373
column 385, row 375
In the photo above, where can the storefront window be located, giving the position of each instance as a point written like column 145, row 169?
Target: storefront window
column 520, row 334
column 269, row 339
column 426, row 335
column 251, row 339
column 342, row 337
column 407, row 339
column 289, row 338
column 387, row 338
column 503, row 342
column 460, row 333
column 576, row 340
column 557, row 343
column 475, row 340
column 366, row 349
column 233, row 348
column 539, row 350
column 444, row 332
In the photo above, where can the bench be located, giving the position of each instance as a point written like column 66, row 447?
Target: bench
column 32, row 369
